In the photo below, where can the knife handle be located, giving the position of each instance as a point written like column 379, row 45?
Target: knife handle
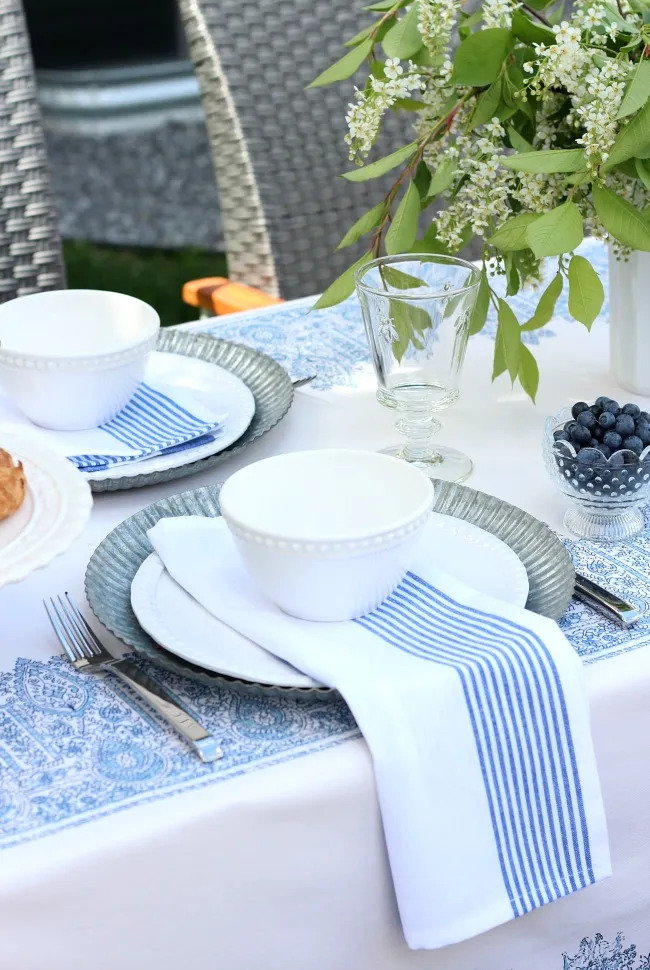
column 605, row 602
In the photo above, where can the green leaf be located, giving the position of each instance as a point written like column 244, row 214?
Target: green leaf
column 342, row 287
column 353, row 41
column 546, row 305
column 442, row 178
column 409, row 321
column 399, row 279
column 479, row 57
column 422, row 179
column 528, row 372
column 404, row 227
column 621, row 218
column 481, row 307
column 408, row 104
column 429, row 243
column 381, row 5
column 499, row 365
column 364, row 224
column 586, row 293
column 382, row 165
column 642, row 169
column 512, row 275
column 487, row 105
column 632, row 141
column 530, row 32
column 511, row 235
column 627, row 168
column 467, row 21
column 638, row 91
column 548, row 161
column 518, row 141
column 511, row 338
column 404, row 38
column 556, row 232
column 344, row 68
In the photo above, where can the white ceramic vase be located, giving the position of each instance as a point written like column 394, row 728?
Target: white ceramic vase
column 629, row 321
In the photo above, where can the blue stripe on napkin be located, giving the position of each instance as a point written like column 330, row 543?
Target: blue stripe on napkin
column 151, row 424
column 519, row 718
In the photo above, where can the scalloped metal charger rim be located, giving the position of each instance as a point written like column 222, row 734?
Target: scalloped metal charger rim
column 114, row 563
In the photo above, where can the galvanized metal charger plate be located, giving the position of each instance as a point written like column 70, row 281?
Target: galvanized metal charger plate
column 116, row 560
column 269, row 382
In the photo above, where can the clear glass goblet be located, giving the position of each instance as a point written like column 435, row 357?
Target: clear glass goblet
column 417, row 310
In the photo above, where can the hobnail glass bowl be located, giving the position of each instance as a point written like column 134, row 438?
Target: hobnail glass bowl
column 605, row 498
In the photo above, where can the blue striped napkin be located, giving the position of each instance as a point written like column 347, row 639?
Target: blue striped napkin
column 477, row 721
column 152, row 423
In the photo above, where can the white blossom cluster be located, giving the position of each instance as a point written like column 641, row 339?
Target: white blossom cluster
column 365, row 113
column 498, row 13
column 483, row 201
column 436, row 21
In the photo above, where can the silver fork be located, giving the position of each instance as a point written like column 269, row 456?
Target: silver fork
column 86, row 653
column 304, row 380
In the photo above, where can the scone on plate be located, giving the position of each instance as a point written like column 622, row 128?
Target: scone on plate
column 12, row 485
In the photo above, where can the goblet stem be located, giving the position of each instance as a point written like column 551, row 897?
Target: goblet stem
column 418, row 425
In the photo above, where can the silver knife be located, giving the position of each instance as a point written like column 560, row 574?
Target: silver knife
column 605, row 602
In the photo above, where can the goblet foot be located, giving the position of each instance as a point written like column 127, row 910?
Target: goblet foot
column 592, row 525
column 445, row 464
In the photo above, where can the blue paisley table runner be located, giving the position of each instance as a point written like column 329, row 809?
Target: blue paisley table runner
column 75, row 747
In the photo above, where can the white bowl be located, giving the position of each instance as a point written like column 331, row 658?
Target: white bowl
column 71, row 359
column 327, row 535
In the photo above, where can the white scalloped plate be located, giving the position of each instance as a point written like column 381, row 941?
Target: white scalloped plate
column 55, row 509
column 181, row 625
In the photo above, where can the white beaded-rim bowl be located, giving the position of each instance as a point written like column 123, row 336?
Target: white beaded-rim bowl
column 71, row 359
column 327, row 534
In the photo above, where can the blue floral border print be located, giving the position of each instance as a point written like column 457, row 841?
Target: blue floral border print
column 332, row 344
column 74, row 747
column 598, row 954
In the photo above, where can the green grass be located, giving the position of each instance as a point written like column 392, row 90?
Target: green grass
column 154, row 275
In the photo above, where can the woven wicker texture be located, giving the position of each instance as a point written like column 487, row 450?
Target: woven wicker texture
column 278, row 148
column 30, row 248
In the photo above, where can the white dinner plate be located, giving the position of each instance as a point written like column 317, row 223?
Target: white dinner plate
column 216, row 390
column 53, row 513
column 181, row 625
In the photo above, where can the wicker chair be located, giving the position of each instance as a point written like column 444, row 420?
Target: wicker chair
column 31, row 258
column 278, row 148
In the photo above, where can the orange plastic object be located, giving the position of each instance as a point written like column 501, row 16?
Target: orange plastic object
column 218, row 295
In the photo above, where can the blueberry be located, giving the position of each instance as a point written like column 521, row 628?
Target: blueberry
column 625, row 425
column 594, row 443
column 569, row 426
column 644, row 416
column 596, row 410
column 643, row 432
column 612, row 439
column 596, row 432
column 580, row 435
column 561, row 436
column 612, row 406
column 634, row 443
column 607, row 420
column 605, row 450
column 602, row 400
column 578, row 408
column 632, row 409
column 617, row 460
column 587, row 420
column 589, row 456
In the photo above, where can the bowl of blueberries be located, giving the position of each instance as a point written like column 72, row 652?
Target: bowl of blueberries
column 599, row 456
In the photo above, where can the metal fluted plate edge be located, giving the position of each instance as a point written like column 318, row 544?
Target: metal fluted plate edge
column 269, row 382
column 116, row 560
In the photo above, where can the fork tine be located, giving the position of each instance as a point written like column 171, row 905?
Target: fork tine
column 61, row 634
column 73, row 629
column 94, row 641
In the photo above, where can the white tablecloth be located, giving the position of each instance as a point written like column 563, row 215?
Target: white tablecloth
column 285, row 866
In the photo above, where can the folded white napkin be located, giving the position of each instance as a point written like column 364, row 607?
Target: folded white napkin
column 159, row 419
column 476, row 718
